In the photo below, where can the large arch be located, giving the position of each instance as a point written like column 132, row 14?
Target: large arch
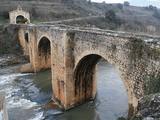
column 85, row 80
column 44, row 53
column 84, row 76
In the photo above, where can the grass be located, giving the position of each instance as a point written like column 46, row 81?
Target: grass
column 3, row 20
column 35, row 21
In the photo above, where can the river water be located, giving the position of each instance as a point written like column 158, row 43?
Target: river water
column 27, row 96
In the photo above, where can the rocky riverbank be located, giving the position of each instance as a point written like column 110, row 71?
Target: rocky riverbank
column 11, row 59
column 148, row 108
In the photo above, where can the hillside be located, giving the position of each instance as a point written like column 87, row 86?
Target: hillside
column 47, row 11
column 127, row 18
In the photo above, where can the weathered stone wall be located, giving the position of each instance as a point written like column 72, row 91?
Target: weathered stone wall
column 135, row 59
column 24, row 42
column 55, row 61
column 8, row 40
column 30, row 46
column 38, row 59
column 19, row 12
column 116, row 50
column 75, row 53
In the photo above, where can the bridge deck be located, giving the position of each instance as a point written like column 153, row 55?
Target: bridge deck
column 122, row 34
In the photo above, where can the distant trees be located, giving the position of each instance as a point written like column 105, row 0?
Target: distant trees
column 34, row 12
column 89, row 1
column 126, row 3
column 120, row 6
column 104, row 2
column 156, row 14
column 151, row 7
column 112, row 20
column 155, row 10
column 110, row 15
column 5, row 15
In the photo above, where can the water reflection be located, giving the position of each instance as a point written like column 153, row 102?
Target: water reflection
column 112, row 95
column 27, row 94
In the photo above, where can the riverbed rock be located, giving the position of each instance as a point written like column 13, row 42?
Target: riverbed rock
column 26, row 68
column 10, row 59
column 3, row 109
column 149, row 107
column 148, row 118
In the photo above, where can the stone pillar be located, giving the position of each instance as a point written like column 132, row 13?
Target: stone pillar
column 62, row 79
column 58, row 71
column 33, row 52
column 69, row 71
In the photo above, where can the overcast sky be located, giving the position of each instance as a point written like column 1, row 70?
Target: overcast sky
column 134, row 2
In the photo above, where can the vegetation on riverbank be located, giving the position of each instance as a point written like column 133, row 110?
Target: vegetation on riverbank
column 8, row 40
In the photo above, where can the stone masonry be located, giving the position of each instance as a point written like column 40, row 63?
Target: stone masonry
column 73, row 53
column 16, row 13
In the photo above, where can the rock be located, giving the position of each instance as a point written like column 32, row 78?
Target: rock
column 3, row 109
column 148, row 118
column 149, row 107
column 10, row 59
column 26, row 68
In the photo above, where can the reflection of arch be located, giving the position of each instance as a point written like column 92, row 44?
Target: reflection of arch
column 85, row 79
column 21, row 19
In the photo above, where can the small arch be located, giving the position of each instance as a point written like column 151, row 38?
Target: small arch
column 26, row 36
column 44, row 52
column 21, row 19
column 44, row 46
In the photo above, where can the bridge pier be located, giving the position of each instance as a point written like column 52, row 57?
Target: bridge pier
column 74, row 82
column 62, row 74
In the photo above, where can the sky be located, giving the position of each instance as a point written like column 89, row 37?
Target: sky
column 134, row 2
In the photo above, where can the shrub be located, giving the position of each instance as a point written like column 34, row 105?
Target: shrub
column 151, row 7
column 110, row 15
column 156, row 14
column 126, row 3
column 152, row 84
column 120, row 6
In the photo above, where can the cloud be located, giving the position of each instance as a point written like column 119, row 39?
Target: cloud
column 154, row 0
column 134, row 2
column 145, row 2
column 110, row 1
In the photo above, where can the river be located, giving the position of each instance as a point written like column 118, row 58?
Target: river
column 27, row 96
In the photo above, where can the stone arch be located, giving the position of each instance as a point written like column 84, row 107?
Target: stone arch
column 84, row 75
column 44, row 53
column 85, row 79
column 19, row 16
column 20, row 19
column 44, row 46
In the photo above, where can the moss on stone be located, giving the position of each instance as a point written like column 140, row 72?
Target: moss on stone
column 152, row 84
column 8, row 40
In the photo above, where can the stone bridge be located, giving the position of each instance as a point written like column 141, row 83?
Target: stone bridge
column 72, row 53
